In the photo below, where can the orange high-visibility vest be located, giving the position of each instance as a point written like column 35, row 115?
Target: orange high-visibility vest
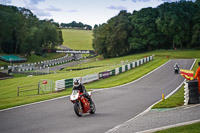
column 197, row 75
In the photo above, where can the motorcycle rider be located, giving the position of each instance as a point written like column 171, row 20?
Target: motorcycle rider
column 197, row 75
column 176, row 67
column 77, row 85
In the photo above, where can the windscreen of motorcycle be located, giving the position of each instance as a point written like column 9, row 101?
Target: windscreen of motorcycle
column 74, row 95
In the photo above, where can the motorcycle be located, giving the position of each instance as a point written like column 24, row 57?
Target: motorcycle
column 81, row 104
column 176, row 70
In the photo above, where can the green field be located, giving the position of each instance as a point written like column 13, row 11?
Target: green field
column 77, row 39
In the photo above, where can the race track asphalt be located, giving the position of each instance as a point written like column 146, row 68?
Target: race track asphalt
column 114, row 106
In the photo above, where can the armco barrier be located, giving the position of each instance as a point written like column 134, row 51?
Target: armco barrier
column 60, row 85
column 67, row 83
column 120, row 70
column 90, row 78
column 116, row 71
column 105, row 74
column 123, row 68
column 113, row 72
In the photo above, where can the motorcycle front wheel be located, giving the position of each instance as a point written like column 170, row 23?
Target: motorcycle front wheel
column 93, row 108
column 78, row 110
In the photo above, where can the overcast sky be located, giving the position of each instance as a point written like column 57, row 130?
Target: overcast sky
column 86, row 11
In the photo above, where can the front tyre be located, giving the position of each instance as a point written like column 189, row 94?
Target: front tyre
column 78, row 110
column 93, row 108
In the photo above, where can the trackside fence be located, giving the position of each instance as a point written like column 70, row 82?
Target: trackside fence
column 68, row 83
column 42, row 87
column 29, row 90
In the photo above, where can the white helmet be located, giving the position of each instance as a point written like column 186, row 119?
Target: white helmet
column 77, row 82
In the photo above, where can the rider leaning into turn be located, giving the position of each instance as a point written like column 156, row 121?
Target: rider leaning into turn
column 77, row 85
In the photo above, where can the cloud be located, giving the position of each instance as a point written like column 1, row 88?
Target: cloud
column 117, row 7
column 168, row 0
column 41, row 13
column 35, row 2
column 38, row 12
column 150, row 0
column 140, row 0
column 52, row 8
column 4, row 2
column 72, row 11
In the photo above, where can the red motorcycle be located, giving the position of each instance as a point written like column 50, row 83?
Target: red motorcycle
column 81, row 104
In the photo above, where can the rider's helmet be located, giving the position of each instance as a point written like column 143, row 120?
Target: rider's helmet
column 77, row 82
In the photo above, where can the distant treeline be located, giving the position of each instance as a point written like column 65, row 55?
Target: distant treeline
column 169, row 26
column 21, row 32
column 75, row 25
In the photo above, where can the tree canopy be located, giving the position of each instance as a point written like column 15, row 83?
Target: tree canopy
column 74, row 24
column 168, row 26
column 21, row 32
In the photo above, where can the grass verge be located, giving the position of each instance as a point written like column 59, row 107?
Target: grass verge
column 193, row 128
column 177, row 99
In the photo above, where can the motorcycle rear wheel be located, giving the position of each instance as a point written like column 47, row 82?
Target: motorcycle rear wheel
column 78, row 110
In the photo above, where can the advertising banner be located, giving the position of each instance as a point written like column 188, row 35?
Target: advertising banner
column 105, row 74
column 90, row 78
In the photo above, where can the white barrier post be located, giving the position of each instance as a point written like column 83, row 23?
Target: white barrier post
column 186, row 94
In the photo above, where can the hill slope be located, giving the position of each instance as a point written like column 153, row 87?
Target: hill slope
column 77, row 39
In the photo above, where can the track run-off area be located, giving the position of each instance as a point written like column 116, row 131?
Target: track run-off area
column 114, row 106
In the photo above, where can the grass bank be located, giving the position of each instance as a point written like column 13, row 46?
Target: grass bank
column 77, row 39
column 192, row 128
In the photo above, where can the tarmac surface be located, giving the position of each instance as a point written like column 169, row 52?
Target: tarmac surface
column 115, row 106
column 159, row 119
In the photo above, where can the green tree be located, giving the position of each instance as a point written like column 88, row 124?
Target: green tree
column 175, row 22
column 99, row 45
column 119, row 29
column 111, row 39
column 21, row 32
column 196, row 27
column 145, row 35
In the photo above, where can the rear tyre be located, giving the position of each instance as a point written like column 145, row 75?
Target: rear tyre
column 78, row 110
column 93, row 108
